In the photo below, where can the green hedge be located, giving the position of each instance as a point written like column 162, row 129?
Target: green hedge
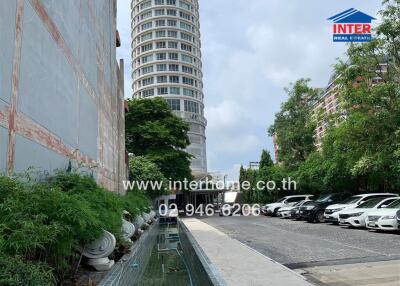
column 43, row 225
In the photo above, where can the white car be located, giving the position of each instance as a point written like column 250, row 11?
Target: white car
column 286, row 212
column 356, row 216
column 332, row 212
column 272, row 209
column 384, row 219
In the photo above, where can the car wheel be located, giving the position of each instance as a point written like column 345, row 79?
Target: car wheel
column 275, row 212
column 319, row 216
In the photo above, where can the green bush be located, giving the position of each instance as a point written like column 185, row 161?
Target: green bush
column 136, row 202
column 51, row 220
column 15, row 272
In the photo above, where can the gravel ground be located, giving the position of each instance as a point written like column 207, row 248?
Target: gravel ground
column 298, row 244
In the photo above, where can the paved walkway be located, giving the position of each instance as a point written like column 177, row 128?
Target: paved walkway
column 238, row 264
column 383, row 273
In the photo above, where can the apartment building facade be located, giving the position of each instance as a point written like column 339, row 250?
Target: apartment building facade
column 166, row 62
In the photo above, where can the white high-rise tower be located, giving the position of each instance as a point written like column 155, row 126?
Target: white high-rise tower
column 166, row 61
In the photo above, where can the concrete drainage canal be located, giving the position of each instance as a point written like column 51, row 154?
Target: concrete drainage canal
column 165, row 255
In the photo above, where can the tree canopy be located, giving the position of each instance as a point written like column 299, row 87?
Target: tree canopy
column 293, row 126
column 152, row 130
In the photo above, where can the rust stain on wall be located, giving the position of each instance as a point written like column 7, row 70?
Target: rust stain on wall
column 15, row 85
column 107, row 95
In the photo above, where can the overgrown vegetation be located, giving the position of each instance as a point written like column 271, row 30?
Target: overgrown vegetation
column 44, row 224
column 360, row 151
column 142, row 169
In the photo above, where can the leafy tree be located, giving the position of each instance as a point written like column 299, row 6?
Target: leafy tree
column 144, row 170
column 266, row 160
column 250, row 177
column 152, row 130
column 367, row 139
column 293, row 126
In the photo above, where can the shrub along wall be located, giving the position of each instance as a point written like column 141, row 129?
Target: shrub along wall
column 44, row 224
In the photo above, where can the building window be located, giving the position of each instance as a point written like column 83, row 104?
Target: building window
column 146, row 15
column 173, row 34
column 171, row 12
column 186, row 26
column 185, row 47
column 187, row 59
column 147, row 26
column 173, row 67
column 147, row 36
column 174, row 90
column 185, row 5
column 147, row 81
column 161, row 56
column 187, row 69
column 191, row 106
column 173, row 56
column 174, row 79
column 175, row 104
column 148, row 92
column 185, row 15
column 161, row 67
column 161, row 45
column 160, row 23
column 145, row 5
column 171, row 2
column 171, row 23
column 162, row 90
column 188, row 92
column 159, row 2
column 160, row 34
column 162, row 79
column 147, row 59
column 148, row 69
column 172, row 45
column 188, row 81
column 147, row 47
column 186, row 37
column 159, row 12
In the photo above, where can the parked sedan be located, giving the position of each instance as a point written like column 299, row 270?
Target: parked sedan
column 286, row 212
column 272, row 209
column 332, row 212
column 385, row 218
column 295, row 212
column 355, row 217
column 314, row 211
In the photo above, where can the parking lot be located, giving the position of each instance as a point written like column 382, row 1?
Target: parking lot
column 300, row 245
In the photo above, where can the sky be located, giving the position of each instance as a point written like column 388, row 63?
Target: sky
column 252, row 50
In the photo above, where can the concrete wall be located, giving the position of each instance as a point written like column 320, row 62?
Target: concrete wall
column 61, row 88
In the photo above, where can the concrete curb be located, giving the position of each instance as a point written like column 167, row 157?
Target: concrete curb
column 239, row 264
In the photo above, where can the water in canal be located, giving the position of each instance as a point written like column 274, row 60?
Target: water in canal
column 167, row 265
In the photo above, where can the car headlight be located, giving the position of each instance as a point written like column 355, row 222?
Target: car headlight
column 310, row 208
column 337, row 210
column 355, row 214
column 389, row 217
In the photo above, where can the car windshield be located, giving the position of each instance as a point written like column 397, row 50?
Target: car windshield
column 324, row 198
column 281, row 200
column 298, row 204
column 351, row 200
column 370, row 203
column 308, row 203
column 394, row 205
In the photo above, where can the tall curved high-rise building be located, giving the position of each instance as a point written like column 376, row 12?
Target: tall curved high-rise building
column 166, row 61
